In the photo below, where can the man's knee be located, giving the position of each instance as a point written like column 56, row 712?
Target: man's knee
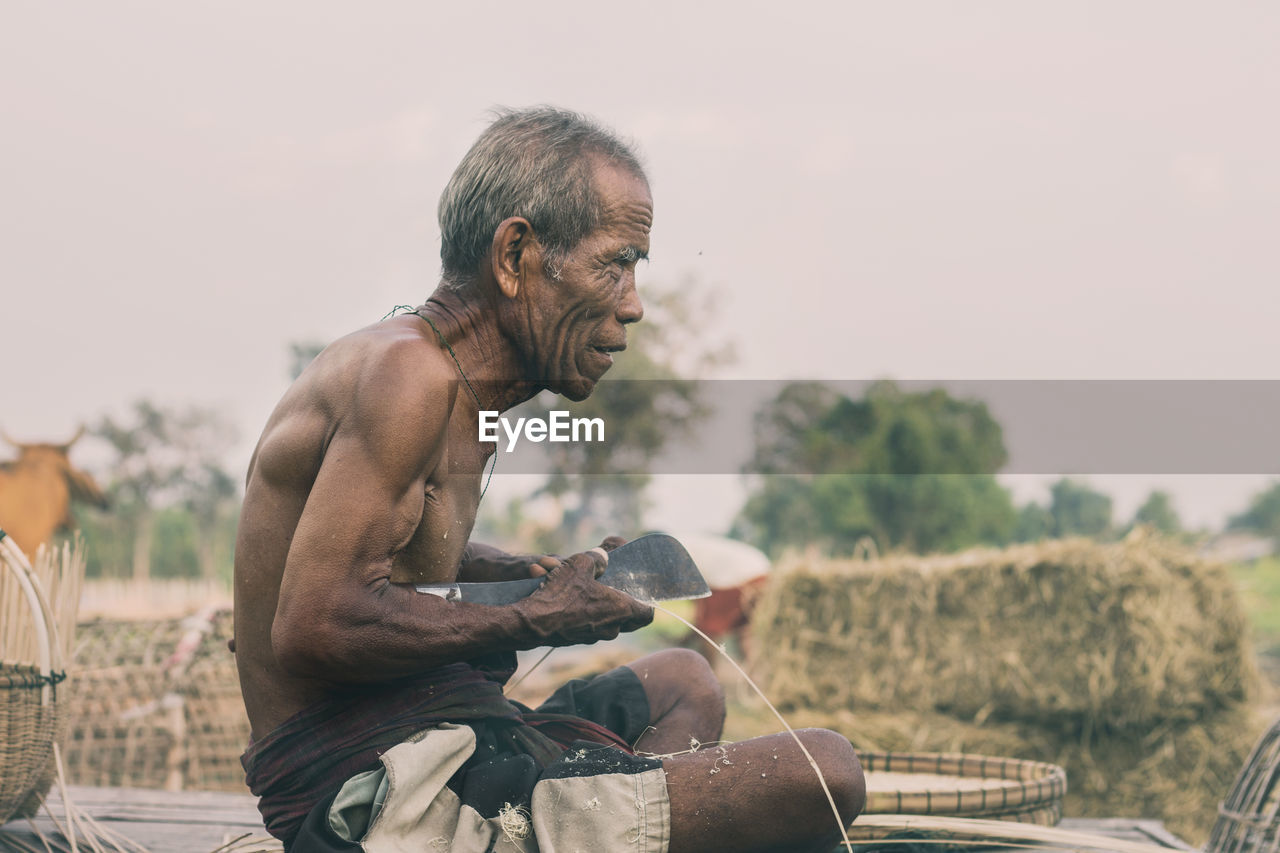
column 695, row 674
column 840, row 768
column 679, row 676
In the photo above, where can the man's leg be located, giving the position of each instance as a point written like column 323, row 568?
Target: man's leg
column 763, row 795
column 686, row 702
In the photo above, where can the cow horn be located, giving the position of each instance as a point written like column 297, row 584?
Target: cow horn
column 79, row 435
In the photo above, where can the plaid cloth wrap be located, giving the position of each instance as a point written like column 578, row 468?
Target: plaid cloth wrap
column 313, row 752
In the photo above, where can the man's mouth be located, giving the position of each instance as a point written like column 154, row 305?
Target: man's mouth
column 604, row 354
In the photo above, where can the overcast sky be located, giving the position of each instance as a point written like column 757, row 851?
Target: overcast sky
column 975, row 190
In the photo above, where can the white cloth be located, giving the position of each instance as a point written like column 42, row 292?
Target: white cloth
column 420, row 814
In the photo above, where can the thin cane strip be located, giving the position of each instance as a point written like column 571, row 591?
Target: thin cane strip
column 22, row 572
column 695, row 745
column 120, row 844
column 54, row 582
column 975, row 843
column 81, row 825
column 1000, row 832
column 39, row 835
column 249, row 843
column 513, row 685
column 812, row 763
column 36, row 832
column 99, row 834
column 230, row 845
column 57, row 825
column 943, row 841
column 31, row 726
column 10, row 843
column 67, row 806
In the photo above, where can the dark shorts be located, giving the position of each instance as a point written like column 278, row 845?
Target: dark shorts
column 487, row 786
column 615, row 700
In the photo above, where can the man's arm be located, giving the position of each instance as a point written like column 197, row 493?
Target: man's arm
column 486, row 564
column 339, row 618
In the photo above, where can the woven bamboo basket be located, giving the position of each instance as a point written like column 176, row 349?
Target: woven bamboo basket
column 29, row 708
column 1249, row 818
column 975, row 786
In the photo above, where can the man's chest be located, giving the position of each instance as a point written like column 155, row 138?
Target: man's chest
column 450, row 500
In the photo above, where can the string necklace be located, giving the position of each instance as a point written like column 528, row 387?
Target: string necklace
column 414, row 311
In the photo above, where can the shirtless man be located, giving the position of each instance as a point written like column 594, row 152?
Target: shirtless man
column 367, row 478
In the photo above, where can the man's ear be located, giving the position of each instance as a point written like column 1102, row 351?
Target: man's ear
column 511, row 244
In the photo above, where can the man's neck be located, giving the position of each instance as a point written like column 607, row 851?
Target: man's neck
column 485, row 358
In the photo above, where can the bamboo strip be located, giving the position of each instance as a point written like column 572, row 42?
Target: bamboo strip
column 869, row 829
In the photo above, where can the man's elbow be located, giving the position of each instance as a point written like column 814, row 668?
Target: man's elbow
column 303, row 648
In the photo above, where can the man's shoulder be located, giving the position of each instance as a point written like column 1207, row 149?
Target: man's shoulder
column 389, row 366
column 384, row 387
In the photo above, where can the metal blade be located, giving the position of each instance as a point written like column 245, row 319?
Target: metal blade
column 652, row 568
column 655, row 567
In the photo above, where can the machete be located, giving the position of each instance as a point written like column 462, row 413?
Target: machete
column 652, row 568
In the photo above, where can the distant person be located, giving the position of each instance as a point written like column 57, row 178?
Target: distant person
column 377, row 713
column 736, row 573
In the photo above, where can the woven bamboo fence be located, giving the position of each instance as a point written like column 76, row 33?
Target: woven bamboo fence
column 157, row 704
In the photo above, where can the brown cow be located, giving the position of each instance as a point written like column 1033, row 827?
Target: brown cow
column 36, row 491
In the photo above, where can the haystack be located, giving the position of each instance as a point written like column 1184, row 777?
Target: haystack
column 1127, row 663
column 1105, row 635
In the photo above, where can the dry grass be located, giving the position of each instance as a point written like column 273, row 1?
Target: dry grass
column 1128, row 664
column 1109, row 636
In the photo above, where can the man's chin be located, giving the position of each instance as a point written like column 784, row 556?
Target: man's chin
column 578, row 389
column 579, row 384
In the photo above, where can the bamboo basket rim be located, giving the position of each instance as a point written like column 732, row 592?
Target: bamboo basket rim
column 50, row 662
column 1008, row 784
column 23, row 742
column 1249, row 816
column 969, row 831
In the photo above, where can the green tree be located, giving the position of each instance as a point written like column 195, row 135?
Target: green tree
column 1075, row 509
column 911, row 470
column 168, row 459
column 1034, row 523
column 1157, row 511
column 1263, row 514
column 301, row 354
column 1078, row 510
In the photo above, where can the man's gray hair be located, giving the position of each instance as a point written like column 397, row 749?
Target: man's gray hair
column 537, row 163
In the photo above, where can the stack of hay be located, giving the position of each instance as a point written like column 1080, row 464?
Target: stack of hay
column 1126, row 663
column 157, row 705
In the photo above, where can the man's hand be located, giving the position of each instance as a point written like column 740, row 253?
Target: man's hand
column 547, row 562
column 572, row 607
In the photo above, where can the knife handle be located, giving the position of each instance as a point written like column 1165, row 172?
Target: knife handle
column 494, row 594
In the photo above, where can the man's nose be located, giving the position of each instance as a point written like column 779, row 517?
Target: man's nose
column 630, row 310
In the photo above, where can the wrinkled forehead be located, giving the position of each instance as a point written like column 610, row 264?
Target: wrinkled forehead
column 625, row 199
